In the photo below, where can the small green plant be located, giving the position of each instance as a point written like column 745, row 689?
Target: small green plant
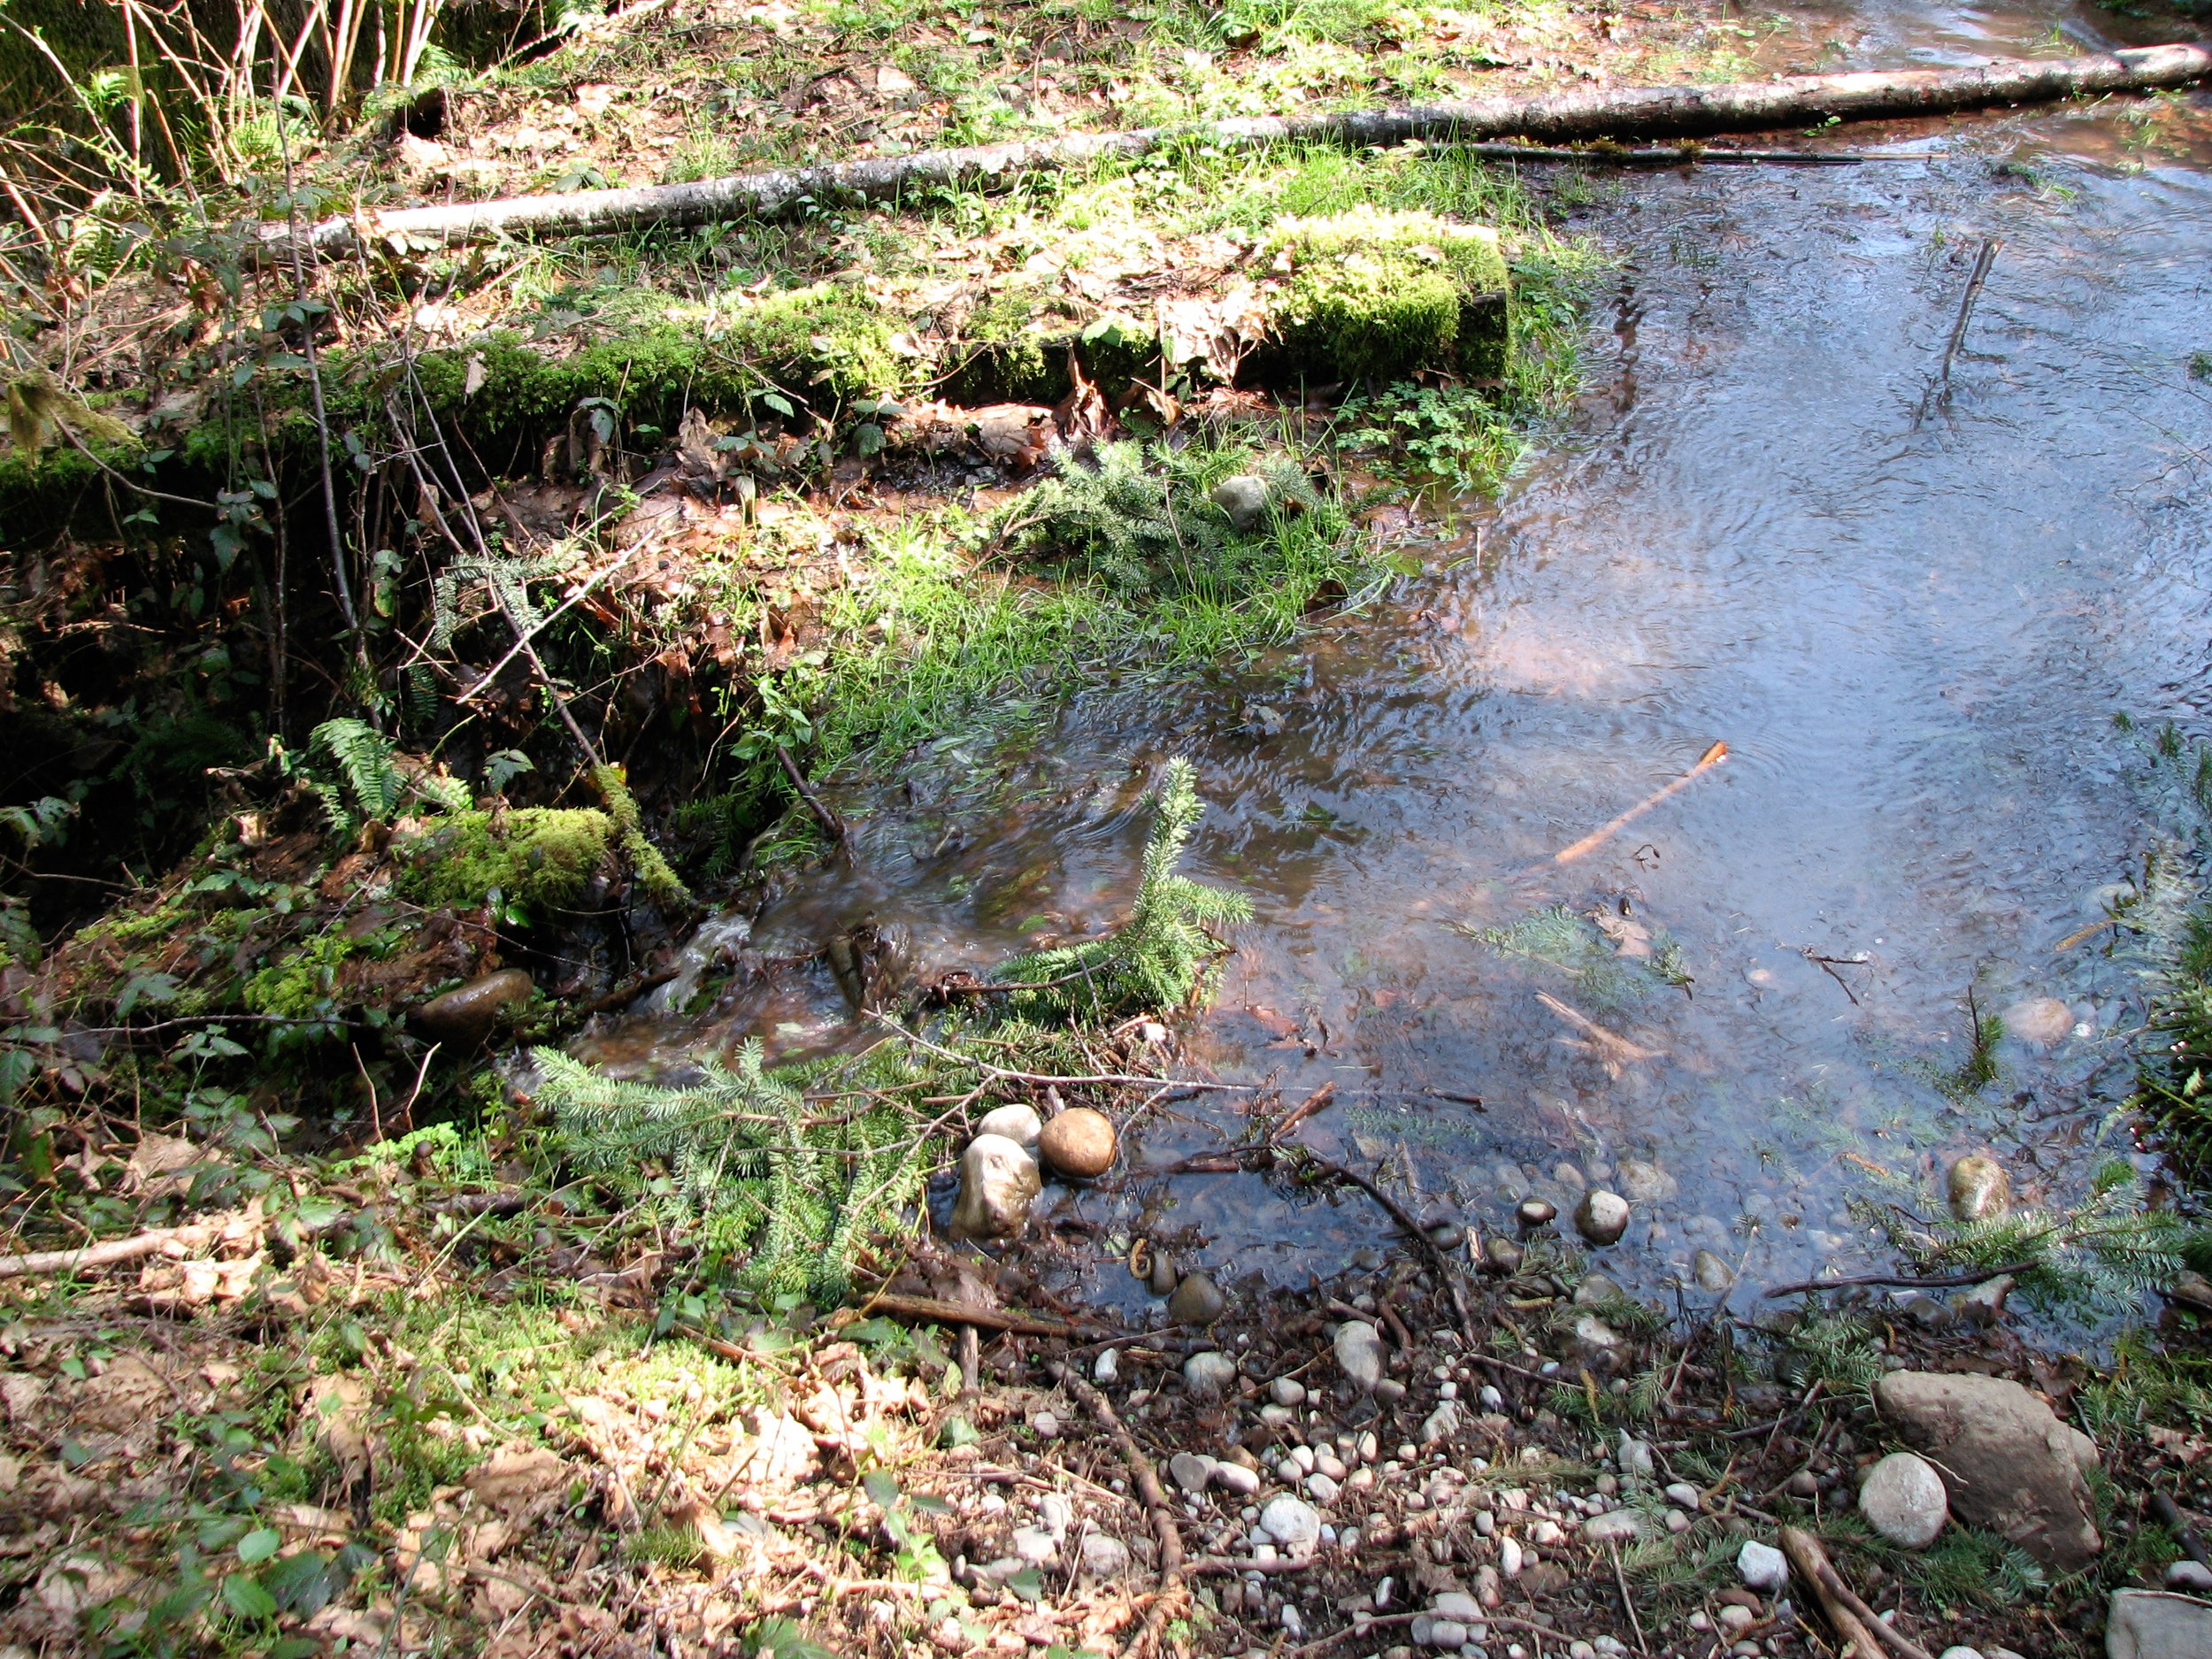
column 1443, row 437
column 1156, row 960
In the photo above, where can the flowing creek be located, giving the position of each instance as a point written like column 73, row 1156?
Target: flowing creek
column 1910, row 618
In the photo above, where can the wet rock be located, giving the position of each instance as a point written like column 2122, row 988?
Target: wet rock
column 2039, row 1021
column 2193, row 1575
column 2192, row 1290
column 1569, row 1176
column 2157, row 1624
column 1359, row 1354
column 1293, row 1524
column 1164, row 1276
column 1618, row 1526
column 1712, row 1274
column 1078, row 1143
column 1104, row 1556
column 1978, row 1188
column 1761, row 1567
column 2008, row 1464
column 1244, row 498
column 1643, row 1182
column 1593, row 1340
column 1596, row 1290
column 1903, row 1499
column 1985, row 1303
column 1602, row 1216
column 1197, row 1301
column 1502, row 1255
column 1209, row 1373
column 1538, row 1212
column 998, row 1179
column 1018, row 1123
column 1191, row 1470
column 469, row 1013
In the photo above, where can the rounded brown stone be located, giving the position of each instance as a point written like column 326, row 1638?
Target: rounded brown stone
column 1078, row 1142
column 470, row 1012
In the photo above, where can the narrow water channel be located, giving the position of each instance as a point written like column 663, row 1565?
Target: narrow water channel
column 1910, row 610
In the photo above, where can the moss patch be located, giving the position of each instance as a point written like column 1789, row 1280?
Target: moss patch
column 1373, row 294
column 540, row 856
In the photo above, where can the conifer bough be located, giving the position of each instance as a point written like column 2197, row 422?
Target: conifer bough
column 1615, row 112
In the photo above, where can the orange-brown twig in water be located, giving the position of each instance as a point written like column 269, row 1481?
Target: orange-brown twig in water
column 1597, row 838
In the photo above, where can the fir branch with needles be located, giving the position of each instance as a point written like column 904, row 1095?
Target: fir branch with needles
column 2102, row 1254
column 793, row 1199
column 1156, row 960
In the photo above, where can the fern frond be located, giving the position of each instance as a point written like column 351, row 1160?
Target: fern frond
column 364, row 757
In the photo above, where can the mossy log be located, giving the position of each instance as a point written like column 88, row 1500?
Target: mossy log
column 1551, row 117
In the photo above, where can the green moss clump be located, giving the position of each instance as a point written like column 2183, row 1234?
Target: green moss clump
column 1013, row 348
column 828, row 335
column 1372, row 295
column 540, row 856
column 654, row 873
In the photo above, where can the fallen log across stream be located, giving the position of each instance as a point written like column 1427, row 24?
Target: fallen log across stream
column 1553, row 118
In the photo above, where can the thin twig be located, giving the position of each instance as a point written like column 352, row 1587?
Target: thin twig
column 1944, row 1281
column 832, row 825
column 1042, row 1081
column 1147, row 1482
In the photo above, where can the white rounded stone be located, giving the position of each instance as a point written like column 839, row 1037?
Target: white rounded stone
column 1903, row 1499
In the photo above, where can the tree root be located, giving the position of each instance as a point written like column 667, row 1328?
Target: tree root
column 1147, row 1481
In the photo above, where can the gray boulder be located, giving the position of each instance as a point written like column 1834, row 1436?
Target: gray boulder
column 2008, row 1463
column 2157, row 1624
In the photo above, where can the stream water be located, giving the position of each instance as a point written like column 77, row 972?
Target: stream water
column 1909, row 612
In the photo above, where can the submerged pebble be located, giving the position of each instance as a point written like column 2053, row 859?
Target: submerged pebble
column 1197, row 1301
column 2040, row 1021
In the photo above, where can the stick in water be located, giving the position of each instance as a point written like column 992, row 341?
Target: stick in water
column 1597, row 838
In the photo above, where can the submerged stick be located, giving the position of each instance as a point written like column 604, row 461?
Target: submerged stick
column 1895, row 1281
column 1553, row 116
column 1982, row 262
column 1598, row 837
